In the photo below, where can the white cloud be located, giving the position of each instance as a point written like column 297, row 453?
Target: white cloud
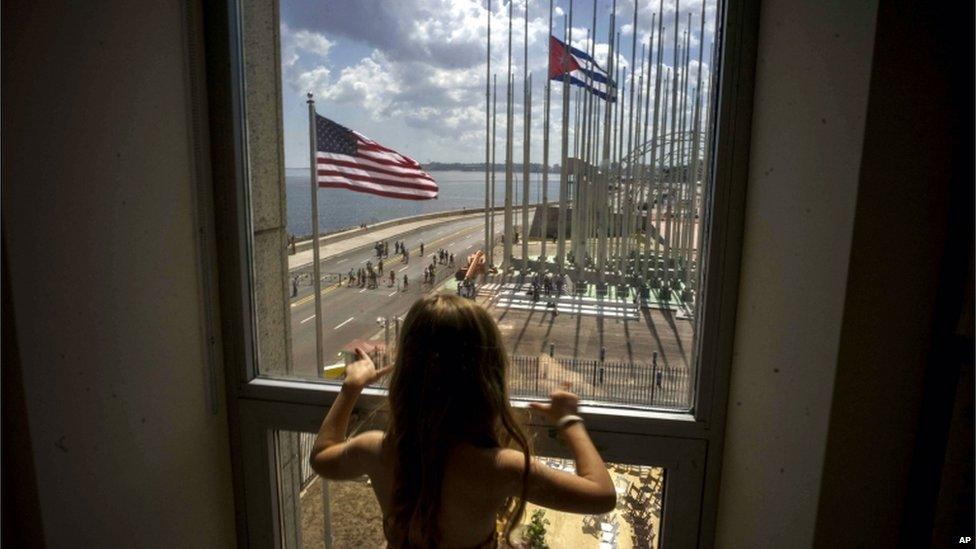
column 425, row 69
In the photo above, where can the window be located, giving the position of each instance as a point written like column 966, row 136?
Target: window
column 642, row 324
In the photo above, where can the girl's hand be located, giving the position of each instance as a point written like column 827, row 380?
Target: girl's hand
column 561, row 403
column 362, row 371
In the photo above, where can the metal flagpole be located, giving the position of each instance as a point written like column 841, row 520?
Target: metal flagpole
column 564, row 168
column 625, row 222
column 526, row 131
column 656, row 172
column 316, row 274
column 638, row 172
column 488, row 167
column 668, row 248
column 494, row 149
column 681, row 173
column 601, row 237
column 648, row 168
column 618, row 138
column 696, row 130
column 544, row 233
column 507, row 242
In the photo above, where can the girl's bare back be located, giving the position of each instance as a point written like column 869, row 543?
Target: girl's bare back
column 471, row 497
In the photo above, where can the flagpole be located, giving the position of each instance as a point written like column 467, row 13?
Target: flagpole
column 488, row 167
column 656, row 173
column 564, row 168
column 316, row 275
column 647, row 175
column 494, row 150
column 638, row 187
column 685, row 154
column 696, row 130
column 618, row 140
column 544, row 233
column 526, row 132
column 669, row 215
column 507, row 243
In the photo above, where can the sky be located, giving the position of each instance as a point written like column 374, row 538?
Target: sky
column 411, row 74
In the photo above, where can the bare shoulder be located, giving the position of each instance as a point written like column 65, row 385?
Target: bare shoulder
column 509, row 466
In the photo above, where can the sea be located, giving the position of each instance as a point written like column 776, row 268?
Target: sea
column 341, row 208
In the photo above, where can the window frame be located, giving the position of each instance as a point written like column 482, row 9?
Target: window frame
column 258, row 405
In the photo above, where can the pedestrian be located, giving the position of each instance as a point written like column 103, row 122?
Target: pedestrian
column 380, row 265
column 392, row 278
column 294, row 286
column 405, row 282
column 421, row 249
column 350, row 277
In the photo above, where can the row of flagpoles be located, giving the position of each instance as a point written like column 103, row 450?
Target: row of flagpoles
column 630, row 185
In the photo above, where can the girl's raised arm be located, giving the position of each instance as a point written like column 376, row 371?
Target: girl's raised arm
column 333, row 456
column 590, row 490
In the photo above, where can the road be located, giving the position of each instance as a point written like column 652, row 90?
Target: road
column 350, row 313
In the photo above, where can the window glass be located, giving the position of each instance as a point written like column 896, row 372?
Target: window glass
column 593, row 241
column 347, row 514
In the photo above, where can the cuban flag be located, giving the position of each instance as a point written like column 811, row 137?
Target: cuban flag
column 582, row 69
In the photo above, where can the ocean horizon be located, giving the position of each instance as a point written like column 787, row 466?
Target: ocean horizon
column 341, row 208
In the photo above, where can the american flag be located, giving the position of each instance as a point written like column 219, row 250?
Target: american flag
column 349, row 160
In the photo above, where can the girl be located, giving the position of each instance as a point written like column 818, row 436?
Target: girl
column 453, row 461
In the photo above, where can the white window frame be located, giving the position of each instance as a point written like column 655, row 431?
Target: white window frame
column 688, row 445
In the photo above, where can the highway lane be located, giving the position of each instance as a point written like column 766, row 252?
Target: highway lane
column 350, row 312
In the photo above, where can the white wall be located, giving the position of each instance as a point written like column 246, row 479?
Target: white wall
column 99, row 215
column 812, row 79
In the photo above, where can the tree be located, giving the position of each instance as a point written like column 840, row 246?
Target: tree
column 535, row 532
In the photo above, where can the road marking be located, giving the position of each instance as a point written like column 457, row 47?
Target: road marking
column 404, row 269
column 451, row 244
column 342, row 261
column 392, row 294
column 363, row 290
column 308, row 298
column 348, row 320
column 307, row 319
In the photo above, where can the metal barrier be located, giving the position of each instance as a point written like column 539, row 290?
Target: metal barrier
column 612, row 382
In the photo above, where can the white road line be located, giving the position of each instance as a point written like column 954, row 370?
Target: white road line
column 451, row 244
column 342, row 261
column 363, row 290
column 347, row 321
column 404, row 269
column 307, row 319
column 392, row 294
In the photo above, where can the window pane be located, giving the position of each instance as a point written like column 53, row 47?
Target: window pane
column 348, row 514
column 593, row 260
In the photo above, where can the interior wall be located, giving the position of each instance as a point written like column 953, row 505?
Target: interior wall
column 99, row 217
column 906, row 335
column 811, row 89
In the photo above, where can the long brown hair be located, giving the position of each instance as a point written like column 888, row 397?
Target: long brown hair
column 448, row 387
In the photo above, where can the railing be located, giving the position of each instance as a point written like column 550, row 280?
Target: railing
column 608, row 382
column 305, row 442
column 612, row 382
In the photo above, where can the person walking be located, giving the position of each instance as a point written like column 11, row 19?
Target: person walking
column 421, row 249
column 392, row 278
column 405, row 282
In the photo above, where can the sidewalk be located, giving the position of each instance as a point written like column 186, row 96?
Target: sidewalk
column 368, row 238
